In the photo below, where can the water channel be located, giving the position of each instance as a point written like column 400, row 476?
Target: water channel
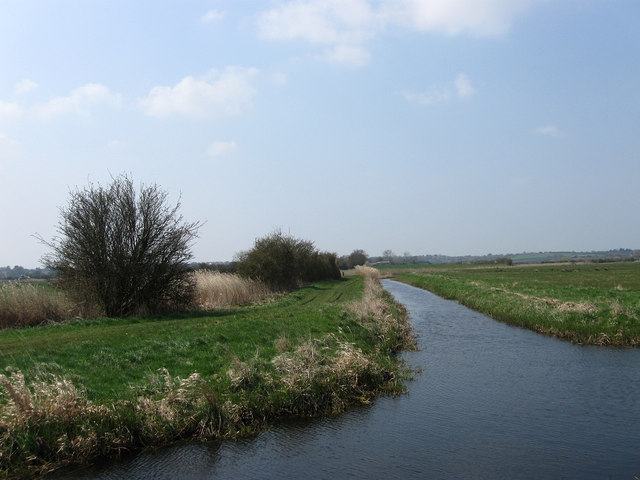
column 492, row 401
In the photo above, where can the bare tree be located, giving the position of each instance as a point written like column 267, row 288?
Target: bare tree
column 127, row 252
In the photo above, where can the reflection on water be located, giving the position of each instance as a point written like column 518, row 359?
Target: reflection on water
column 493, row 401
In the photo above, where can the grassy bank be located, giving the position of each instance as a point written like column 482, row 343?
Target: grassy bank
column 584, row 303
column 102, row 387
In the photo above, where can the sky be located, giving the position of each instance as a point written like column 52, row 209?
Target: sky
column 453, row 127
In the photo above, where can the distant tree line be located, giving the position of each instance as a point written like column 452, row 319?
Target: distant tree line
column 17, row 272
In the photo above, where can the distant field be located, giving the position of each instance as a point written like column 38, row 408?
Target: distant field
column 584, row 303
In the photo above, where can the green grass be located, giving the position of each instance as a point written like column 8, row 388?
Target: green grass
column 584, row 303
column 105, row 355
column 133, row 383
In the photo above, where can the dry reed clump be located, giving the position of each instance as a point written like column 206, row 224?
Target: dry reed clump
column 376, row 313
column 50, row 423
column 328, row 374
column 53, row 411
column 25, row 304
column 367, row 272
column 173, row 406
column 247, row 375
column 215, row 289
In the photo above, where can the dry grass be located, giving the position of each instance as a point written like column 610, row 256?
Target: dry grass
column 367, row 272
column 215, row 289
column 338, row 369
column 375, row 313
column 25, row 305
column 50, row 423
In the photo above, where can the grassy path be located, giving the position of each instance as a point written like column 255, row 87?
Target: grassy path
column 105, row 355
column 584, row 303
column 100, row 387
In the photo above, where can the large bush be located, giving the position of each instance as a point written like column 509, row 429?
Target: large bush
column 284, row 262
column 124, row 250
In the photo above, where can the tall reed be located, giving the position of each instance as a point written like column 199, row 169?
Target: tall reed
column 25, row 304
column 215, row 289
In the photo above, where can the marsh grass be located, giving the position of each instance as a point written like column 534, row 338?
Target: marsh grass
column 82, row 390
column 215, row 290
column 584, row 303
column 25, row 304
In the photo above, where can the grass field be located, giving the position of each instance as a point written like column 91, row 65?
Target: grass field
column 584, row 303
column 78, row 390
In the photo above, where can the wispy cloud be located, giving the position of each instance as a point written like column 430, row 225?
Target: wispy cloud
column 353, row 22
column 464, row 89
column 212, row 16
column 348, row 55
column 24, row 86
column 229, row 92
column 319, row 21
column 9, row 111
column 220, row 148
column 452, row 17
column 430, row 96
column 550, row 131
column 460, row 88
column 79, row 102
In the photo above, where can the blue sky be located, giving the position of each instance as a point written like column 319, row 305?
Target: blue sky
column 425, row 126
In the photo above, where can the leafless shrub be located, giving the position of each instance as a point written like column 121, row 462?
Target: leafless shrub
column 126, row 251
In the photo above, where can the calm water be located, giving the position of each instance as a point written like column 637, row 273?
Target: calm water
column 493, row 401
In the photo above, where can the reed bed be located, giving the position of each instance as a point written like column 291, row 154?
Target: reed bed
column 215, row 290
column 25, row 304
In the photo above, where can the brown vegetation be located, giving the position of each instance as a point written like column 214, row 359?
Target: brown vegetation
column 25, row 305
column 215, row 289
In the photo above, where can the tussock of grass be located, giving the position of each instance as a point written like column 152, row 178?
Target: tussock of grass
column 377, row 311
column 25, row 304
column 215, row 289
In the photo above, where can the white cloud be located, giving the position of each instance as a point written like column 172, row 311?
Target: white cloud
column 430, row 96
column 212, row 16
column 278, row 79
column 24, row 86
column 319, row 21
column 219, row 148
column 550, row 131
column 442, row 93
column 464, row 87
column 78, row 102
column 452, row 17
column 229, row 91
column 353, row 22
column 9, row 111
column 348, row 55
